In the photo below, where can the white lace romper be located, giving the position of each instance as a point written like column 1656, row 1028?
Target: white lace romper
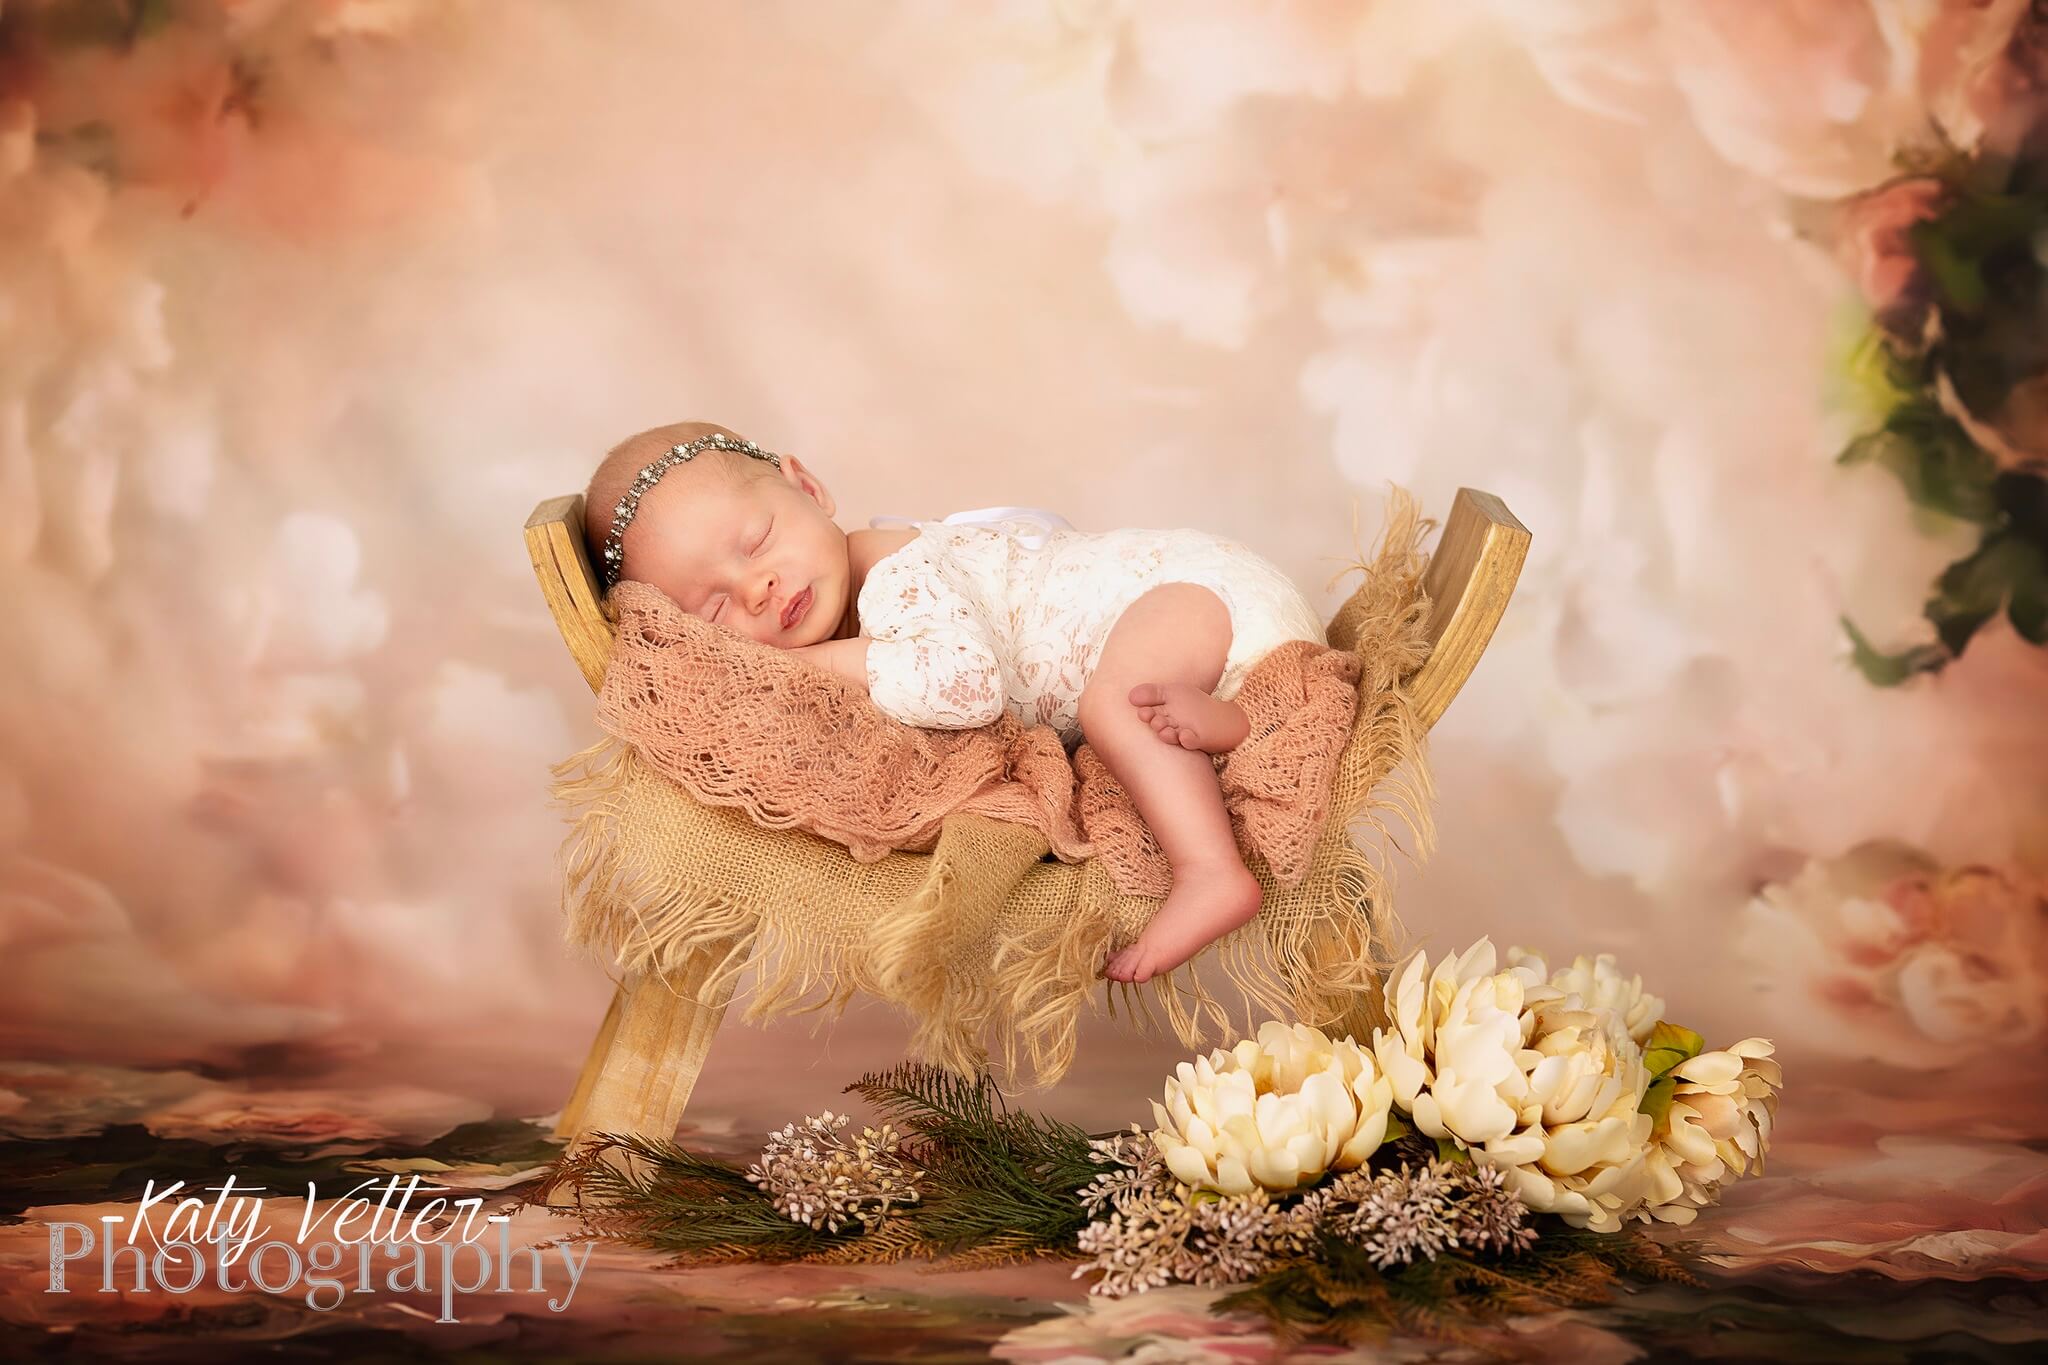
column 1009, row 607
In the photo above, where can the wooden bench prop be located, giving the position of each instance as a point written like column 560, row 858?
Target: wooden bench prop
column 1331, row 933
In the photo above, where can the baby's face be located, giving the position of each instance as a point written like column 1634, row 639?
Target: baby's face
column 747, row 556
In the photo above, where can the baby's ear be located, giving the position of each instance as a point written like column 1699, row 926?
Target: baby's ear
column 799, row 474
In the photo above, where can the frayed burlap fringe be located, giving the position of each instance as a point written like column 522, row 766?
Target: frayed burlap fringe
column 983, row 933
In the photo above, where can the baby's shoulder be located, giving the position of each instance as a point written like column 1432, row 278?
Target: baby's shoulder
column 869, row 546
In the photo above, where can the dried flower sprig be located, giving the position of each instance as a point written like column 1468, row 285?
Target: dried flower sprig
column 1492, row 1217
column 817, row 1178
column 1193, row 1236
column 1160, row 1231
column 1137, row 1170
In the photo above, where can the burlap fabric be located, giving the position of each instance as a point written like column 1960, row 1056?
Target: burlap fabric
column 985, row 932
column 737, row 723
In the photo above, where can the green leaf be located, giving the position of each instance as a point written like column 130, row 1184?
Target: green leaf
column 2028, row 612
column 1889, row 670
column 1657, row 1099
column 2005, row 568
column 1975, row 237
column 1396, row 1128
column 1933, row 458
column 151, row 16
column 108, row 23
column 2023, row 499
column 1668, row 1045
column 1958, row 274
column 1874, row 378
column 1447, row 1149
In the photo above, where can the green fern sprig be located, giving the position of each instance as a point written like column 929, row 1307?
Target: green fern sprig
column 990, row 1172
column 666, row 1198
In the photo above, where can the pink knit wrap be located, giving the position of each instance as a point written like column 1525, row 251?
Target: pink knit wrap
column 736, row 723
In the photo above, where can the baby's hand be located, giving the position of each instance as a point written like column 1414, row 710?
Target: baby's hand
column 847, row 658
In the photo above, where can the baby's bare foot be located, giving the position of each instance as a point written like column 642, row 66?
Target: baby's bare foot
column 1183, row 714
column 1205, row 904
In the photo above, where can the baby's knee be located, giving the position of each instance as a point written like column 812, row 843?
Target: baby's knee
column 1175, row 632
column 1192, row 608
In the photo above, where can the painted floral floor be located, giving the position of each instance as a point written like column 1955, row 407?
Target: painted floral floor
column 1875, row 1235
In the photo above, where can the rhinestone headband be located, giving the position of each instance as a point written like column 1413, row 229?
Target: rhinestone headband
column 650, row 475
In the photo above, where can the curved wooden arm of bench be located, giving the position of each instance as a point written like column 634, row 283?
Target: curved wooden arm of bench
column 554, row 542
column 1470, row 578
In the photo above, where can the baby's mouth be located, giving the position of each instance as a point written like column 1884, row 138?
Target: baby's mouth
column 794, row 612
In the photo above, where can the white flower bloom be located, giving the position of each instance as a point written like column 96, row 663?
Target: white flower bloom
column 1275, row 1112
column 1718, row 1128
column 1538, row 1074
column 1455, row 1051
column 1582, row 1152
column 1479, row 1090
column 1415, row 1006
column 1599, row 985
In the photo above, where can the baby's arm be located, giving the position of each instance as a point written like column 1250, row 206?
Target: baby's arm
column 933, row 659
column 847, row 658
column 944, row 676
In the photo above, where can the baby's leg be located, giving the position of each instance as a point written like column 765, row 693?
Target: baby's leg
column 1178, row 633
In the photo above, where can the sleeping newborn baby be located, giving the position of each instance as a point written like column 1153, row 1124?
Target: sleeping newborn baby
column 1135, row 639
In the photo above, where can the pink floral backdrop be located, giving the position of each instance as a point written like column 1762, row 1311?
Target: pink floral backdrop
column 303, row 305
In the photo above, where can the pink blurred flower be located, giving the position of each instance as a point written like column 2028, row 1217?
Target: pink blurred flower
column 83, row 980
column 293, row 1118
column 1874, row 247
column 1813, row 95
column 1984, row 74
column 1883, row 954
column 42, row 1100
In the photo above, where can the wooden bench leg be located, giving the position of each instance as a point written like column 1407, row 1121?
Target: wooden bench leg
column 593, row 1067
column 647, row 1056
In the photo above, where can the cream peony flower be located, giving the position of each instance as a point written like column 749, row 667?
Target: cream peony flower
column 1549, row 1076
column 1582, row 1152
column 1540, row 1074
column 1454, row 1052
column 1275, row 1112
column 1718, row 1128
column 1599, row 984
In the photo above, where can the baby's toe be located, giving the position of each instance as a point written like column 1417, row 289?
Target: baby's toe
column 1147, row 694
column 1190, row 740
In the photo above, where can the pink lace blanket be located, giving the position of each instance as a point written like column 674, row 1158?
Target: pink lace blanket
column 736, row 723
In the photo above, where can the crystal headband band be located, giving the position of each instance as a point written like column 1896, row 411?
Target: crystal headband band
column 650, row 475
